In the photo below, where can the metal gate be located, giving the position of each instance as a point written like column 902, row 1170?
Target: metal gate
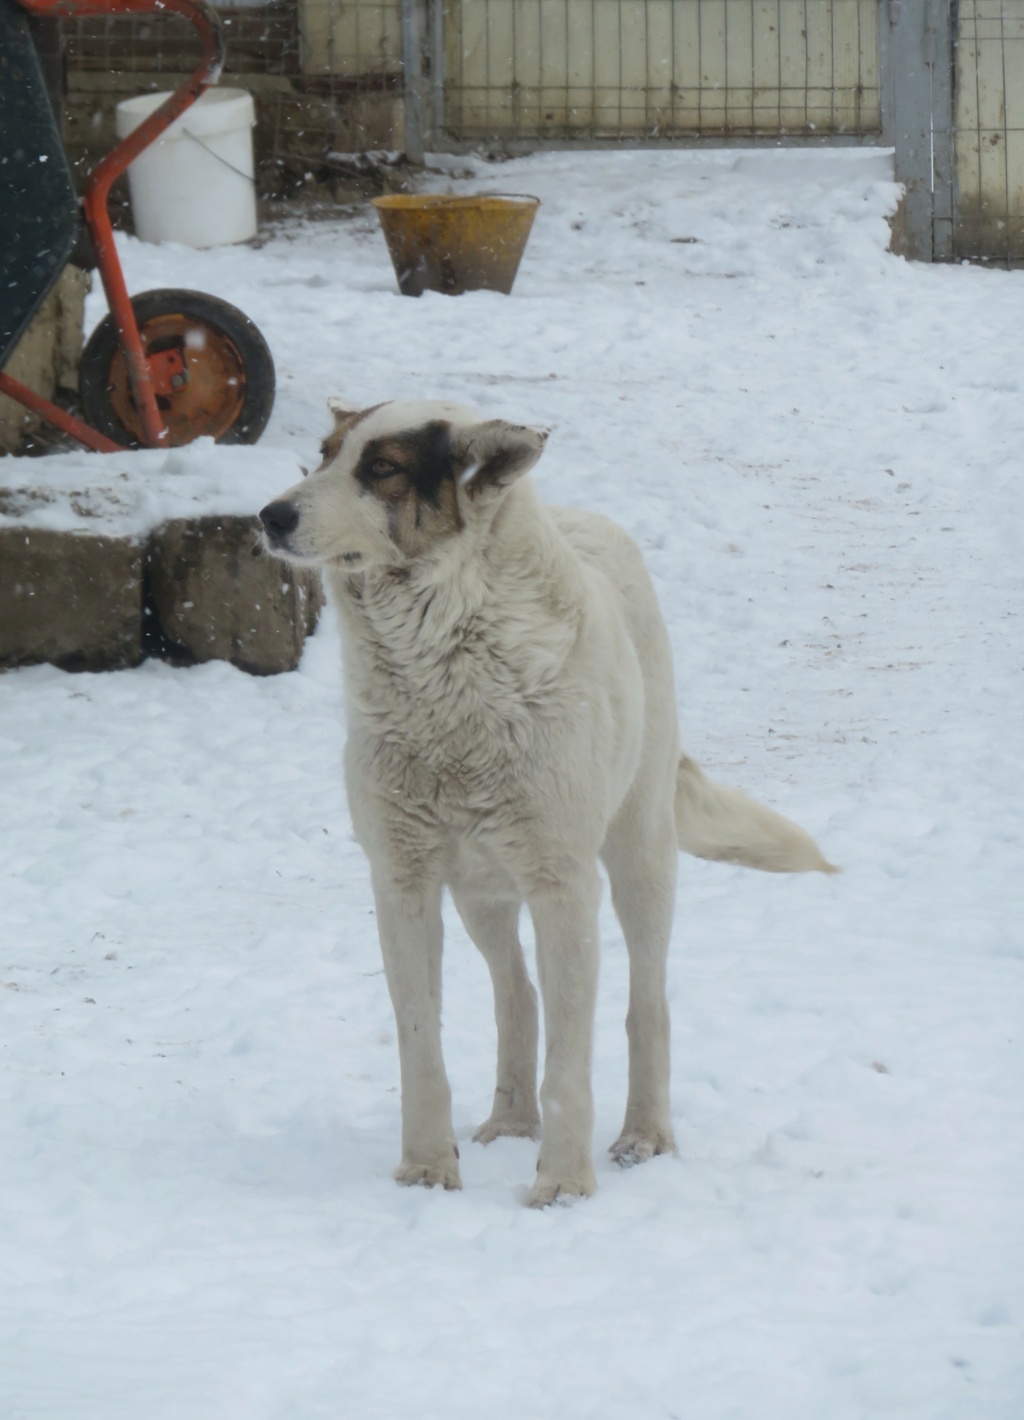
column 989, row 125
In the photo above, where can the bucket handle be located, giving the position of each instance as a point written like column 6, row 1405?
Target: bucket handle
column 207, row 149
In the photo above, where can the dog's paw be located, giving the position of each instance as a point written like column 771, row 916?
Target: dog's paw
column 563, row 1191
column 636, row 1146
column 413, row 1175
column 508, row 1127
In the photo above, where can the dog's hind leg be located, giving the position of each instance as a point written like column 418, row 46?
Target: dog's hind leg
column 411, row 942
column 640, row 855
column 494, row 928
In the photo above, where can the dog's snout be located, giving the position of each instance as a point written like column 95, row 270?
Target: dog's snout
column 279, row 519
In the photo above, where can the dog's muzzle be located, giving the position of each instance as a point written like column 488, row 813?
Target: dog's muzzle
column 279, row 519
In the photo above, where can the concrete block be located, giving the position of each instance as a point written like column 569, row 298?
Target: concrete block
column 216, row 601
column 73, row 600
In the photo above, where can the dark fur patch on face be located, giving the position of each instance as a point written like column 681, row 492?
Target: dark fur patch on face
column 422, row 456
column 413, row 474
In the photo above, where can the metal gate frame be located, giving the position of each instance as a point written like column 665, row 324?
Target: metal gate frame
column 916, row 64
column 916, row 56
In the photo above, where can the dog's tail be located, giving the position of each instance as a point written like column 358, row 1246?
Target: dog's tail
column 724, row 825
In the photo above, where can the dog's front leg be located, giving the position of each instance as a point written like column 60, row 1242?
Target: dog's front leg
column 411, row 938
column 565, row 923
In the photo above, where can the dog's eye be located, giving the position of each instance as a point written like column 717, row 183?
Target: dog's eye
column 381, row 468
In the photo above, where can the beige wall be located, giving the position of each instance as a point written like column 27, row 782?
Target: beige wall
column 990, row 129
column 350, row 38
column 636, row 68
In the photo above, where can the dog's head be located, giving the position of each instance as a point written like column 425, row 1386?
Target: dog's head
column 396, row 481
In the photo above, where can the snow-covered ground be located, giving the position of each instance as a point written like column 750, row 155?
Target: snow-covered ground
column 819, row 447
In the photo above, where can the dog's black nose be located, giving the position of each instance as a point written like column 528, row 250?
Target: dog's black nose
column 279, row 519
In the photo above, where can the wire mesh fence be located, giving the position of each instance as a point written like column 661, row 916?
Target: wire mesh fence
column 650, row 69
column 326, row 76
column 262, row 39
column 329, row 80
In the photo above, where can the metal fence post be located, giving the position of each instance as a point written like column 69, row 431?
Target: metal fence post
column 436, row 61
column 417, row 113
column 940, row 55
column 916, row 58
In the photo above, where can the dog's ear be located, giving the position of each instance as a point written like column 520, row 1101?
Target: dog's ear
column 341, row 409
column 494, row 454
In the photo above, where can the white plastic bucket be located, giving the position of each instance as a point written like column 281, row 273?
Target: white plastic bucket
column 195, row 184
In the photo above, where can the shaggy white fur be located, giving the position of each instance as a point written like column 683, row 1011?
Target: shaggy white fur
column 512, row 722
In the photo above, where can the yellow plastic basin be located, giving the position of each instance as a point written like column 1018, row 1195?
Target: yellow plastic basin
column 455, row 244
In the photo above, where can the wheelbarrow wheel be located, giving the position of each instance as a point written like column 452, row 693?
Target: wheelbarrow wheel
column 213, row 372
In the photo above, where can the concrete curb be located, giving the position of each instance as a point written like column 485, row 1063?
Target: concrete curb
column 192, row 592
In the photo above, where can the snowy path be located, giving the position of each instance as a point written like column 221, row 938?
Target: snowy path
column 819, row 447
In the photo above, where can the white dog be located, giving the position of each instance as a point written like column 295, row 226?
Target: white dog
column 511, row 722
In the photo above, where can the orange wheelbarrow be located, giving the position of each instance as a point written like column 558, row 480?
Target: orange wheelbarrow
column 164, row 367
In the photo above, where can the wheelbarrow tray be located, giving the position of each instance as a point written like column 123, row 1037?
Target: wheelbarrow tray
column 39, row 213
